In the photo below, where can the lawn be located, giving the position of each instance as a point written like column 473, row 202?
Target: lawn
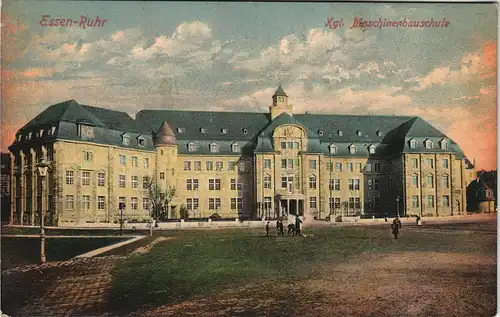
column 23, row 251
column 196, row 265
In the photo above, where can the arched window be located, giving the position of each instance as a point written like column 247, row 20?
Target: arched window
column 312, row 181
column 235, row 147
column 413, row 144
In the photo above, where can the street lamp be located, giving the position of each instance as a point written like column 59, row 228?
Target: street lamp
column 331, row 170
column 42, row 168
column 397, row 205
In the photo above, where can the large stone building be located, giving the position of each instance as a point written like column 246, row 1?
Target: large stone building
column 236, row 164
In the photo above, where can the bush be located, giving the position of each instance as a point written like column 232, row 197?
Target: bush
column 215, row 217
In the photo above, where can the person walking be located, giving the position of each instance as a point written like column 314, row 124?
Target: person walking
column 267, row 229
column 278, row 226
column 396, row 225
column 297, row 226
column 282, row 229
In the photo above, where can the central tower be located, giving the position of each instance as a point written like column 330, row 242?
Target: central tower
column 280, row 104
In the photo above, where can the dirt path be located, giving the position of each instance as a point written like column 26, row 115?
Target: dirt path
column 404, row 284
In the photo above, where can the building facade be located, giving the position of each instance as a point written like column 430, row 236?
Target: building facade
column 5, row 187
column 234, row 164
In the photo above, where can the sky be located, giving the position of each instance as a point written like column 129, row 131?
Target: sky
column 223, row 56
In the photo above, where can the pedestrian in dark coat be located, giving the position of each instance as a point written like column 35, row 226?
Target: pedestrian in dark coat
column 396, row 225
column 267, row 229
column 297, row 226
column 278, row 227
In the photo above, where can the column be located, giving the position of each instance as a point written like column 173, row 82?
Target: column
column 34, row 186
column 288, row 206
column 13, row 188
column 22, row 191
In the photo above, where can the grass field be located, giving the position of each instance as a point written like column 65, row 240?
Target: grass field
column 350, row 271
column 23, row 251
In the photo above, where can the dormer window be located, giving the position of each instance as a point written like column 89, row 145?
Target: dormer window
column 53, row 130
column 359, row 133
column 86, row 131
column 413, row 144
column 192, row 147
column 141, row 141
column 379, row 133
column 320, row 132
column 333, row 149
column 245, row 131
column 181, row 130
column 214, row 147
column 203, row 130
column 371, row 149
column 428, row 144
column 41, row 132
column 126, row 140
column 352, row 149
column 224, row 131
column 235, row 148
column 444, row 144
column 29, row 136
column 339, row 132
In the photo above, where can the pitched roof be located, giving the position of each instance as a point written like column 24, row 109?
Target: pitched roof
column 280, row 92
column 165, row 135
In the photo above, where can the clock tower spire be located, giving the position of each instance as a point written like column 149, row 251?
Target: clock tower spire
column 280, row 103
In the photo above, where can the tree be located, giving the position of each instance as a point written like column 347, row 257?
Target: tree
column 159, row 198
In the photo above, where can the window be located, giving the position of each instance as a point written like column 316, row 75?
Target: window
column 414, row 163
column 284, row 181
column 181, row 130
column 197, row 166
column 320, row 132
column 241, row 166
column 335, row 184
column 214, row 203
column 126, row 140
column 233, row 183
column 86, row 202
column 267, row 163
column 340, row 133
column 214, row 184
column 338, row 167
column 192, row 203
column 283, row 145
column 86, row 178
column 87, row 156
column 444, row 145
column 245, row 131
column 446, row 201
column 236, row 148
column 162, row 175
column 121, row 201
column 231, row 165
column 219, row 166
column 351, row 202
column 370, row 184
column 376, row 167
column 237, row 203
column 203, row 130
column 267, row 181
column 145, row 182
column 352, row 149
column 289, row 145
column 290, row 164
column 296, row 145
column 312, row 164
column 430, row 201
column 312, row 203
column 358, row 167
column 430, row 180
column 70, row 202
column 141, row 141
column 134, row 202
column 214, row 147
column 134, row 161
column 312, row 182
column 101, row 202
column 445, row 181
column 192, row 184
column 337, row 203
column 371, row 149
column 445, row 163
column 101, row 181
column 331, row 204
column 413, row 144
column 239, row 185
column 349, row 167
column 428, row 144
column 414, row 180
column 210, row 166
column 187, row 165
column 70, row 177
column 192, row 147
column 283, row 163
column 121, row 181
column 267, row 203
column 368, row 167
column 333, row 149
column 135, row 182
column 329, row 166
column 414, row 201
column 357, row 203
column 224, row 131
column 145, row 203
column 359, row 133
column 376, row 184
column 145, row 162
column 123, row 160
column 430, row 163
column 379, row 133
column 353, row 184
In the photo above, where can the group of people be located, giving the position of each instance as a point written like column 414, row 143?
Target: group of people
column 295, row 229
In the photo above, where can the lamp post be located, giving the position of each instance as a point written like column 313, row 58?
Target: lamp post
column 397, row 205
column 42, row 168
column 331, row 170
